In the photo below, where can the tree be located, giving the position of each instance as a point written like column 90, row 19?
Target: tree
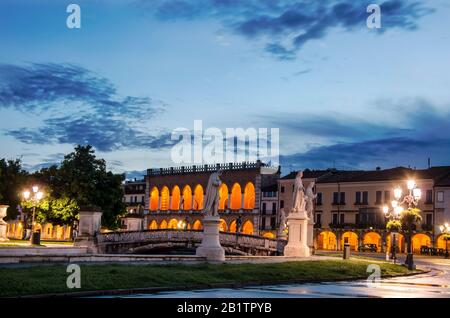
column 12, row 181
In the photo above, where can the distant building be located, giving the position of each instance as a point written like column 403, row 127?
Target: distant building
column 134, row 199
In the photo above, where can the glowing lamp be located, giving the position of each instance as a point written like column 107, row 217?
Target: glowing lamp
column 35, row 189
column 394, row 204
column 39, row 195
column 417, row 193
column 398, row 210
column 398, row 193
column 385, row 209
column 411, row 184
column 26, row 194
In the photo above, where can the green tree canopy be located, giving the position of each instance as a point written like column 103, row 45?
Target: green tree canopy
column 12, row 181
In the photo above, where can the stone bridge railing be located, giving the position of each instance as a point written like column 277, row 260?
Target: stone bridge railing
column 249, row 243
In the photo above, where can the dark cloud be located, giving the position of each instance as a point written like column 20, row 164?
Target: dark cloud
column 85, row 108
column 287, row 25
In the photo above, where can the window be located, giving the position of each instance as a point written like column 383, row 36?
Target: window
column 429, row 197
column 365, row 195
column 342, row 218
column 319, row 218
column 387, row 196
column 263, row 223
column 274, row 207
column 282, row 189
column 440, row 196
column 338, row 197
column 135, row 198
column 142, row 199
column 335, row 218
column 429, row 219
column 358, row 198
column 272, row 222
column 281, row 204
column 319, row 198
column 264, row 208
column 342, row 201
column 378, row 197
column 335, row 198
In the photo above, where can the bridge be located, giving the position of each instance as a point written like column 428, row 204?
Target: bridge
column 148, row 241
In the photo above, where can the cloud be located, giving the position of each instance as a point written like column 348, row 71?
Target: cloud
column 424, row 134
column 84, row 108
column 286, row 26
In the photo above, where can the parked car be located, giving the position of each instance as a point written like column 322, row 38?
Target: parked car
column 368, row 248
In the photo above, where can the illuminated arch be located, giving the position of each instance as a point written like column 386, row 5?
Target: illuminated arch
column 327, row 241
column 187, row 198
column 223, row 225
column 399, row 243
column 197, row 225
column 223, row 197
column 164, row 199
column 420, row 240
column 351, row 238
column 176, row 197
column 247, row 227
column 232, row 227
column 249, row 196
column 236, row 197
column 153, row 225
column 163, row 225
column 441, row 242
column 373, row 238
column 154, row 198
column 173, row 224
column 269, row 235
column 198, row 197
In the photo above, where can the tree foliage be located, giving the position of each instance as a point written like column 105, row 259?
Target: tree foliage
column 12, row 180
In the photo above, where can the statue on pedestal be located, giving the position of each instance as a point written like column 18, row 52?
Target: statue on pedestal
column 212, row 194
column 282, row 226
column 298, row 199
column 310, row 197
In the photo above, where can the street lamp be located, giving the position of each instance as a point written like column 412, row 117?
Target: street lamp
column 34, row 199
column 393, row 215
column 411, row 199
column 445, row 229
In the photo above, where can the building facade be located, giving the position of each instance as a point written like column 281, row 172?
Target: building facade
column 174, row 196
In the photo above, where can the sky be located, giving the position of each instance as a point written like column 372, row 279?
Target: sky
column 342, row 95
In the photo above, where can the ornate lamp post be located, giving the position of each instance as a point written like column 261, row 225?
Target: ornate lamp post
column 445, row 229
column 393, row 215
column 34, row 199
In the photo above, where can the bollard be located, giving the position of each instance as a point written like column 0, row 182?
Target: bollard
column 346, row 251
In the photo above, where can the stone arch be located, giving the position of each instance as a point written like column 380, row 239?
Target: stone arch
column 154, row 199
column 249, row 196
column 236, row 197
column 198, row 197
column 399, row 242
column 247, row 227
column 419, row 240
column 197, row 225
column 232, row 227
column 173, row 224
column 223, row 227
column 164, row 199
column 351, row 238
column 223, row 197
column 269, row 235
column 373, row 238
column 163, row 225
column 441, row 242
column 326, row 240
column 153, row 225
column 187, row 198
column 176, row 198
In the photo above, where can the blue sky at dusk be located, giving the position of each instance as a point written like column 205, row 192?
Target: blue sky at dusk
column 341, row 94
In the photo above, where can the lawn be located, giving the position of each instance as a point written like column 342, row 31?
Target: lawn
column 44, row 279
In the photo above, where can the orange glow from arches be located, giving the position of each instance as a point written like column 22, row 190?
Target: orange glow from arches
column 164, row 199
column 247, row 228
column 223, row 197
column 163, row 225
column 223, row 225
column 249, row 196
column 153, row 225
column 197, row 225
column 236, row 197
column 173, row 224
column 198, row 197
column 232, row 227
column 175, row 198
column 326, row 241
column 352, row 239
column 420, row 240
column 187, row 198
column 269, row 235
column 154, row 198
column 373, row 238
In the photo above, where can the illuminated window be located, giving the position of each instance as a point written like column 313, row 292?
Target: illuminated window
column 247, row 228
column 187, row 198
column 249, row 196
column 163, row 225
column 197, row 225
column 223, row 226
column 173, row 224
column 175, row 198
column 223, row 197
column 153, row 225
column 236, row 197
column 154, row 197
column 165, row 198
column 198, row 197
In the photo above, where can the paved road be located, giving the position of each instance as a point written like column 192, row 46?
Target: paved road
column 435, row 284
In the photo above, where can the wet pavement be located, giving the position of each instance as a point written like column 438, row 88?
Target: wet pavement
column 435, row 284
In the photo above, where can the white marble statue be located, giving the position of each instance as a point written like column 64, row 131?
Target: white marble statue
column 212, row 194
column 299, row 201
column 310, row 197
column 282, row 226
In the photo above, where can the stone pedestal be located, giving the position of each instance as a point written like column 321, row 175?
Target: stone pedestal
column 89, row 226
column 210, row 246
column 3, row 224
column 297, row 245
column 310, row 240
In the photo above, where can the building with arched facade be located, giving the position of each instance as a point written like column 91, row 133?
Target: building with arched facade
column 175, row 197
